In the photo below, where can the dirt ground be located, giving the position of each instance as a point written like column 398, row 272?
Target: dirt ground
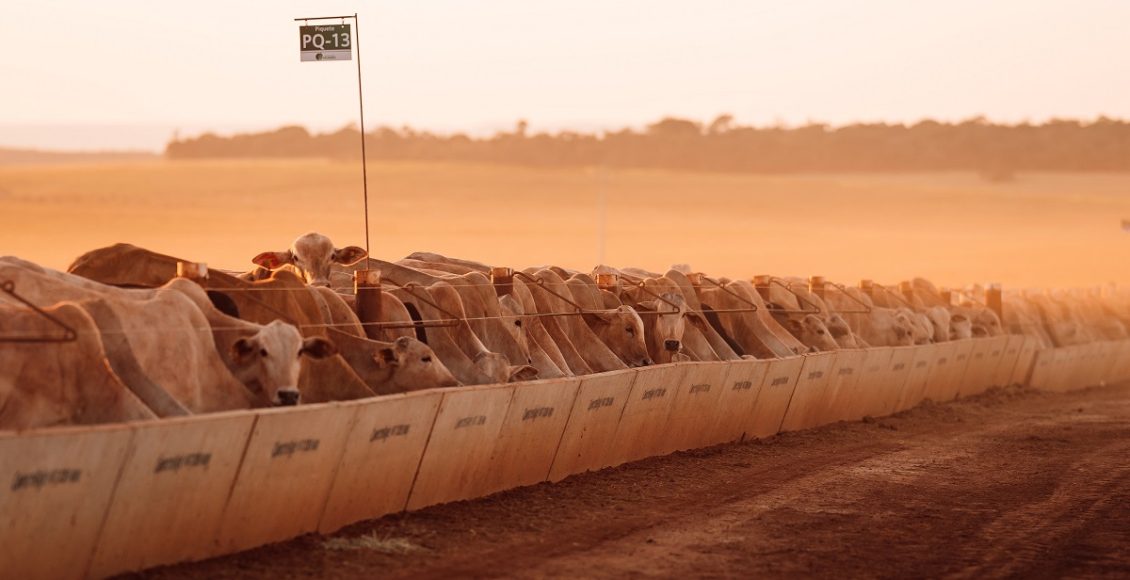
column 1014, row 483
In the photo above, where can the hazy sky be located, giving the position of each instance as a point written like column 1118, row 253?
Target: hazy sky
column 73, row 68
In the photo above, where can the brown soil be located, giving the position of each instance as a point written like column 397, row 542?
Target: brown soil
column 1011, row 483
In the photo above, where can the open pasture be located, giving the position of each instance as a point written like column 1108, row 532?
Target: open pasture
column 1037, row 230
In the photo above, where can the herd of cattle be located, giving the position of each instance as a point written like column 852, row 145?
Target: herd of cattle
column 125, row 335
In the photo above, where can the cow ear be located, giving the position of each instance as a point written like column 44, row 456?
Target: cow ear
column 696, row 319
column 523, row 373
column 402, row 343
column 243, row 349
column 349, row 255
column 273, row 260
column 649, row 306
column 317, row 347
column 794, row 326
column 596, row 317
column 386, row 357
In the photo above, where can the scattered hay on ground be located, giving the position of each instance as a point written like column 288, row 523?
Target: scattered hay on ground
column 375, row 543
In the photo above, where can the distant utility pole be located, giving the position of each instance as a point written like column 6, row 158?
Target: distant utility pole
column 320, row 43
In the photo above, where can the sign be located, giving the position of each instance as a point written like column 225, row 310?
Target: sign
column 325, row 42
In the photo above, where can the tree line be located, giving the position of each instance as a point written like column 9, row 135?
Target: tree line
column 996, row 150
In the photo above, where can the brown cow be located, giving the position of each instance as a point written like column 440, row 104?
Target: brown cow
column 59, row 383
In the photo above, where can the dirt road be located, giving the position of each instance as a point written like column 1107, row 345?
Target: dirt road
column 1012, row 483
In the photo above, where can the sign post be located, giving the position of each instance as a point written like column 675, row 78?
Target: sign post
column 332, row 42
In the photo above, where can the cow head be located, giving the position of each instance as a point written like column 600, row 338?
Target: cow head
column 903, row 329
column 414, row 366
column 497, row 368
column 923, row 329
column 813, row 333
column 990, row 321
column 269, row 360
column 515, row 321
column 940, row 319
column 960, row 327
column 665, row 332
column 916, row 326
column 313, row 255
column 621, row 329
column 841, row 332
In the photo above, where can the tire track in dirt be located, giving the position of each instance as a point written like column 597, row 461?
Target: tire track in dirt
column 1088, row 488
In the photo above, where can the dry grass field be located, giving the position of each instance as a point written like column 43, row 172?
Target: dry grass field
column 1037, row 230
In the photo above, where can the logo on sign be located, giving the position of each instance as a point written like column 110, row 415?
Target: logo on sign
column 599, row 403
column 537, row 413
column 384, row 433
column 471, row 421
column 289, row 448
column 39, row 479
column 179, row 461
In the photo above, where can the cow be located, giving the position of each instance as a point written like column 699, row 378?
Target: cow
column 618, row 325
column 68, row 382
column 538, row 308
column 466, row 325
column 961, row 327
column 281, row 296
column 312, row 255
column 810, row 318
column 813, row 333
column 615, row 325
column 880, row 326
column 239, row 366
column 741, row 316
column 668, row 303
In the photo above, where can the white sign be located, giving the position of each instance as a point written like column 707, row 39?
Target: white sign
column 325, row 42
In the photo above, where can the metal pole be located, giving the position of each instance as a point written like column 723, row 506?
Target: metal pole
column 602, row 215
column 361, row 104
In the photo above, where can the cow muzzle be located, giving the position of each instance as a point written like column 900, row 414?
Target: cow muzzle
column 288, row 397
column 671, row 345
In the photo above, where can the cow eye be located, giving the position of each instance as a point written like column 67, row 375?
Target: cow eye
column 518, row 323
column 631, row 331
column 426, row 359
column 263, row 352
